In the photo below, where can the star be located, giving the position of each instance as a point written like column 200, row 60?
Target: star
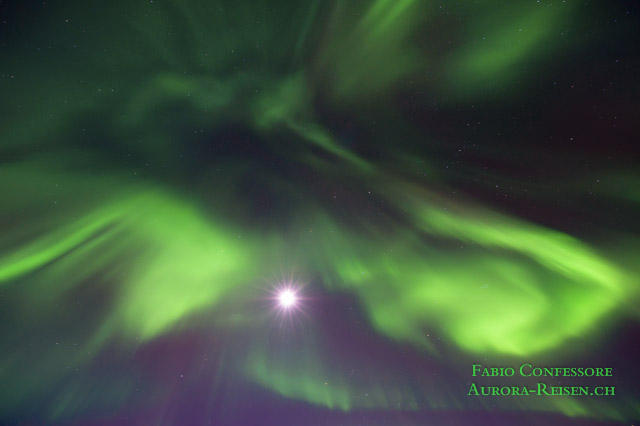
column 287, row 298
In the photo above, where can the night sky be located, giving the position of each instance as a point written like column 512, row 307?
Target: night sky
column 311, row 213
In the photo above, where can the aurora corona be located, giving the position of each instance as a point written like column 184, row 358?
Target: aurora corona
column 445, row 184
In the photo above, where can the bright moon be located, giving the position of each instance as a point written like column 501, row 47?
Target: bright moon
column 287, row 298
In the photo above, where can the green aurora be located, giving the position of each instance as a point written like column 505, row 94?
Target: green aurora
column 111, row 194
